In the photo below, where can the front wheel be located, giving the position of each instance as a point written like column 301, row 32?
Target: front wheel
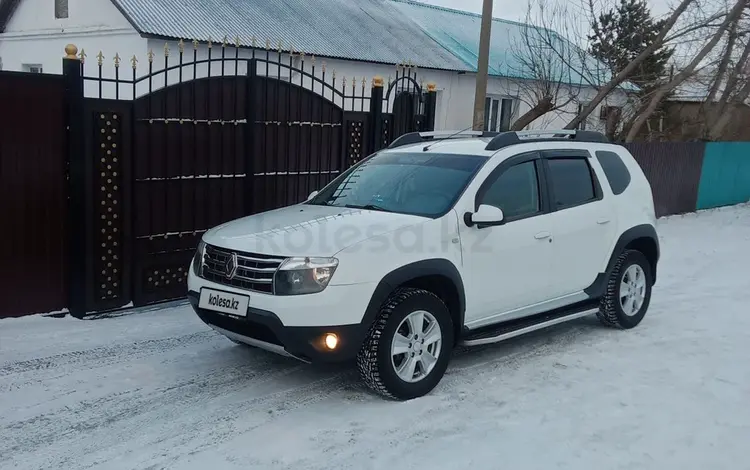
column 409, row 345
column 628, row 292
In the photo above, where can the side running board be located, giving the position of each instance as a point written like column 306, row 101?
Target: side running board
column 507, row 330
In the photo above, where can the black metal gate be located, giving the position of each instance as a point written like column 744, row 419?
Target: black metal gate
column 172, row 152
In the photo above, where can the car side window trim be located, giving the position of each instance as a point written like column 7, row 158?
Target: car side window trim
column 544, row 205
column 570, row 155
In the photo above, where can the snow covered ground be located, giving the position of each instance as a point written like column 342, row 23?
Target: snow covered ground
column 160, row 390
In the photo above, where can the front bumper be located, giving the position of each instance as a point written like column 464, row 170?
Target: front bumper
column 265, row 330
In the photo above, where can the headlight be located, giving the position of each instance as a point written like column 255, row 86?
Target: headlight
column 304, row 275
column 198, row 258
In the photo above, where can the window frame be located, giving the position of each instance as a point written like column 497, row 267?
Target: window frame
column 33, row 68
column 574, row 154
column 500, row 99
column 542, row 185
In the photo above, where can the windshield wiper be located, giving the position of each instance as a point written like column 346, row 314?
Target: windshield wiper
column 369, row 207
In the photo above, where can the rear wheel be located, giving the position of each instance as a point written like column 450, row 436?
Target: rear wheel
column 408, row 347
column 628, row 292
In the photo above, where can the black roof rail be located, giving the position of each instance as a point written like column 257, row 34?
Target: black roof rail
column 431, row 136
column 505, row 139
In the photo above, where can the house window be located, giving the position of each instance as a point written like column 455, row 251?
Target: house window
column 32, row 68
column 61, row 9
column 497, row 114
column 582, row 124
column 607, row 111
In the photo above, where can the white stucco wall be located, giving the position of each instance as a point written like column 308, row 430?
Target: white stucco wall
column 459, row 101
column 35, row 36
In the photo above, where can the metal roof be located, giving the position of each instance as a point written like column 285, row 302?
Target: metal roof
column 368, row 30
column 512, row 44
column 382, row 31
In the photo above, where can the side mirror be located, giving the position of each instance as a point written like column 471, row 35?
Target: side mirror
column 312, row 195
column 486, row 215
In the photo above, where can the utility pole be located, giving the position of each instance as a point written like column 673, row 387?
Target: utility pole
column 483, row 65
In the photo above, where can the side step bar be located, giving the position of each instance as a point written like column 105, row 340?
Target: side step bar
column 502, row 332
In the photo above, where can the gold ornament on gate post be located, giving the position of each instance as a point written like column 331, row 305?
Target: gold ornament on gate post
column 253, row 41
column 71, row 51
column 100, row 59
column 166, row 49
column 268, row 44
column 279, row 47
column 236, row 41
column 224, row 43
column 181, row 46
column 150, row 55
column 377, row 82
column 82, row 56
column 354, row 82
column 323, row 66
column 134, row 62
column 431, row 87
column 117, row 60
column 195, row 44
column 210, row 42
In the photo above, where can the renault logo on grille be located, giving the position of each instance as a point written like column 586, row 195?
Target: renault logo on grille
column 230, row 267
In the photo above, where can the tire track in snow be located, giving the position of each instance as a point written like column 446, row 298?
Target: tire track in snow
column 91, row 415
column 121, row 415
column 103, row 356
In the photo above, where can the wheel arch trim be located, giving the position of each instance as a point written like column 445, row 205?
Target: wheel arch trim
column 415, row 270
column 597, row 288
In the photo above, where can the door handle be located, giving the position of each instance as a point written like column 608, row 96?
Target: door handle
column 542, row 235
column 602, row 221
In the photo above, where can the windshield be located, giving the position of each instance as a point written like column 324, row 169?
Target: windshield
column 409, row 183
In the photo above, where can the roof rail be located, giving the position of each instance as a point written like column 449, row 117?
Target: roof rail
column 505, row 139
column 419, row 137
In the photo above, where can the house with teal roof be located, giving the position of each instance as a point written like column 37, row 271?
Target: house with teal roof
column 358, row 39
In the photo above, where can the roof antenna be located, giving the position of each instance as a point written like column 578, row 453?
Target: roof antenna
column 427, row 147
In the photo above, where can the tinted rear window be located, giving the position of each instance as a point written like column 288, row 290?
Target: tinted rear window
column 615, row 170
column 571, row 181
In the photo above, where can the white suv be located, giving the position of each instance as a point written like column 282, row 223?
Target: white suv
column 439, row 240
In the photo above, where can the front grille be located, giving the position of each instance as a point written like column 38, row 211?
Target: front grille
column 254, row 271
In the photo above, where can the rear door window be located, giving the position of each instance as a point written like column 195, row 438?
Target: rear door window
column 572, row 182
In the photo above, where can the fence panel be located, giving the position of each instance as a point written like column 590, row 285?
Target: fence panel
column 33, row 194
column 674, row 170
column 725, row 179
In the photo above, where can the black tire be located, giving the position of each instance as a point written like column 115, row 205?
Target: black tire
column 610, row 311
column 374, row 358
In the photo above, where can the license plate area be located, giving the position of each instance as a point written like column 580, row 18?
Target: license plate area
column 224, row 302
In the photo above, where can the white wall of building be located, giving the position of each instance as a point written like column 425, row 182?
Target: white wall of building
column 34, row 36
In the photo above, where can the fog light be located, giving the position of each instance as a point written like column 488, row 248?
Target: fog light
column 331, row 341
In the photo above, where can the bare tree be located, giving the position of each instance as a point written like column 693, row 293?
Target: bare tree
column 545, row 84
column 733, row 15
column 627, row 71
